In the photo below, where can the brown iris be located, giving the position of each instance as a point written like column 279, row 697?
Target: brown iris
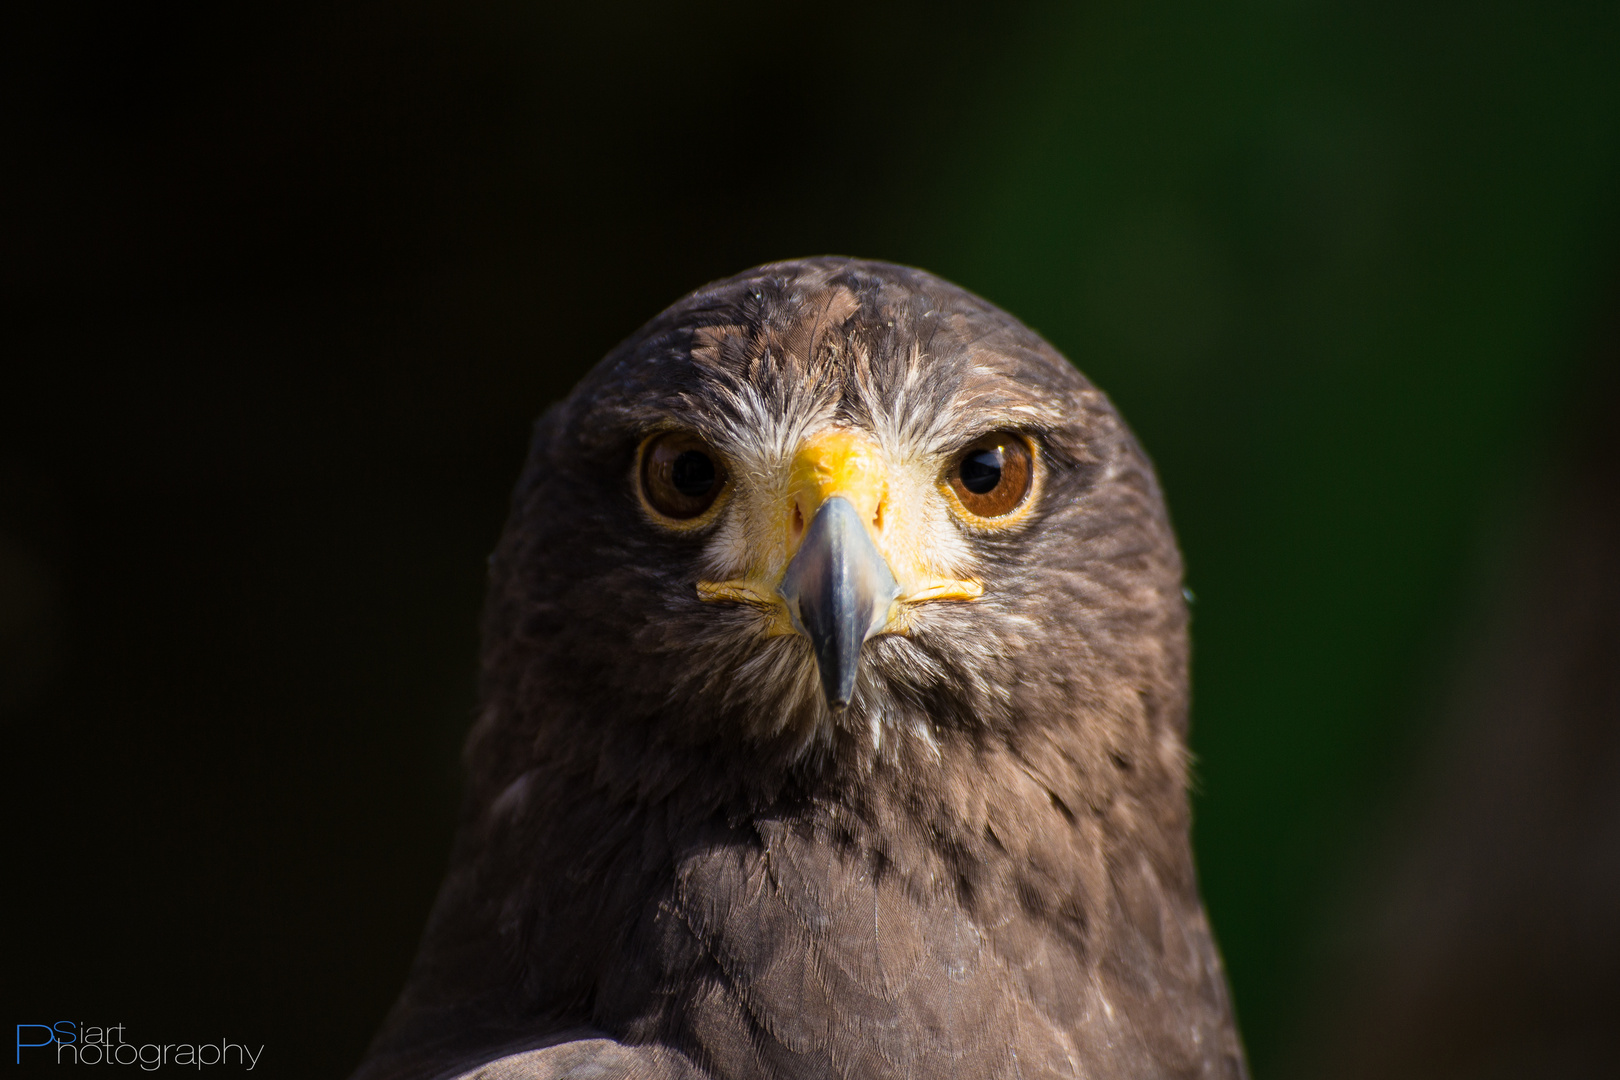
column 992, row 476
column 681, row 475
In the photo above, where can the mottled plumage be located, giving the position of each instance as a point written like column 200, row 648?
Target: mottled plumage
column 675, row 859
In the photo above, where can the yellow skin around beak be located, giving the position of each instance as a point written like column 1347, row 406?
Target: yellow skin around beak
column 846, row 463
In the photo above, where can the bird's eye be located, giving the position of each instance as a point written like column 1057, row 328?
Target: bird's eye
column 992, row 476
column 681, row 475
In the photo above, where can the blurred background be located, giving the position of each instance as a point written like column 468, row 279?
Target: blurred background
column 285, row 285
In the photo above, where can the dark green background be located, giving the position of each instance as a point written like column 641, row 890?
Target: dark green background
column 284, row 287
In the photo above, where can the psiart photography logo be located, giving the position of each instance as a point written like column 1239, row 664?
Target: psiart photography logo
column 72, row 1042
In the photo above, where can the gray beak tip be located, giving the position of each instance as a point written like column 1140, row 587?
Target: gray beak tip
column 838, row 590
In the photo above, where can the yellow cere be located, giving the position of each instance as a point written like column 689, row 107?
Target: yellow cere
column 848, row 463
column 839, row 462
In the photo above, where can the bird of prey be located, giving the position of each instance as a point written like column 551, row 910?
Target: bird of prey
column 834, row 701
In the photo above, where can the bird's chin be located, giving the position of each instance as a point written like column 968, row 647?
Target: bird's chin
column 768, row 690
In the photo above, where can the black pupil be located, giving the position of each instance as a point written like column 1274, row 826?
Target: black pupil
column 981, row 470
column 692, row 474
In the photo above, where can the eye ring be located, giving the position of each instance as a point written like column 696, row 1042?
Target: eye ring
column 992, row 477
column 680, row 478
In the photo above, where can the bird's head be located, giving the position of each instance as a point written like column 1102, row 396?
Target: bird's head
column 834, row 501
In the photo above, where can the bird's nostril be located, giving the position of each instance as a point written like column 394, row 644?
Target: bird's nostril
column 798, row 521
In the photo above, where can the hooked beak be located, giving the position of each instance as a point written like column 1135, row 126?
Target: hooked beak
column 838, row 591
column 839, row 560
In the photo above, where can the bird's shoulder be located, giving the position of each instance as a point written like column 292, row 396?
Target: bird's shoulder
column 591, row 1057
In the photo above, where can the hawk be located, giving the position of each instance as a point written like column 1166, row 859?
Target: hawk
column 834, row 701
